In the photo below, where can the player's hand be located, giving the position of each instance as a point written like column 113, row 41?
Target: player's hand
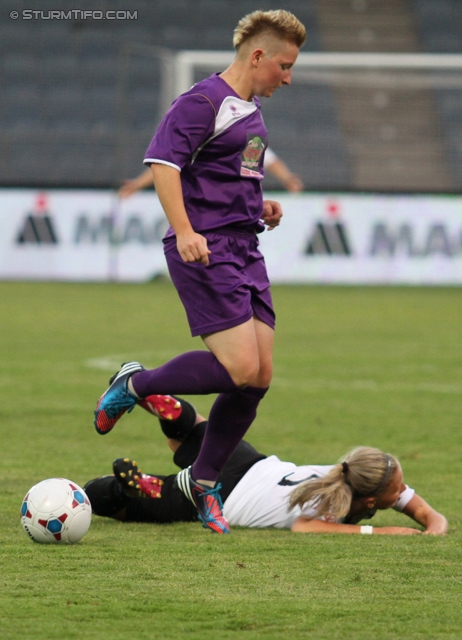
column 293, row 184
column 192, row 247
column 272, row 214
column 128, row 188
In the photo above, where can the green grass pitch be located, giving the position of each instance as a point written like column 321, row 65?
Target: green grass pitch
column 377, row 366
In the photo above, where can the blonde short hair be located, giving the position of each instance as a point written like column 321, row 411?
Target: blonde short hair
column 280, row 23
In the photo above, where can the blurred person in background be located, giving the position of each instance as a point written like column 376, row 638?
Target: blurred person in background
column 272, row 163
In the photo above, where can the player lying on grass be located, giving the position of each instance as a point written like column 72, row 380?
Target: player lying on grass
column 259, row 491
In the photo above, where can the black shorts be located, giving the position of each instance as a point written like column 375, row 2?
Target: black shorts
column 108, row 500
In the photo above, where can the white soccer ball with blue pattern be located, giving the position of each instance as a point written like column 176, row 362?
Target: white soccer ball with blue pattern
column 56, row 511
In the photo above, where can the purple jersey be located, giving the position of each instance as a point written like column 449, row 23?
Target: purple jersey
column 217, row 141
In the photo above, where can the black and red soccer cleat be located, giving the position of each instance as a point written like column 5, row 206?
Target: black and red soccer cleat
column 165, row 407
column 134, row 482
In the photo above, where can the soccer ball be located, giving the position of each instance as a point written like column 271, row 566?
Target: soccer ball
column 56, row 511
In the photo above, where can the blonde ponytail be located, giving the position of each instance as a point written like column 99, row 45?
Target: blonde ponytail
column 364, row 471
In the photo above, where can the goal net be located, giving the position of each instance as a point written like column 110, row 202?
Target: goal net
column 361, row 122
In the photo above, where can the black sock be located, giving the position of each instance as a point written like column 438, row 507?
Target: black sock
column 106, row 496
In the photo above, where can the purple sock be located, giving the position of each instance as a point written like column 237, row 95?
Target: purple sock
column 230, row 417
column 194, row 372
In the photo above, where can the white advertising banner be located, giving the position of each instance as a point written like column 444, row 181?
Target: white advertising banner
column 85, row 235
column 367, row 239
column 80, row 235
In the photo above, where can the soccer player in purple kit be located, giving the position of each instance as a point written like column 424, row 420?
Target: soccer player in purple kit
column 207, row 164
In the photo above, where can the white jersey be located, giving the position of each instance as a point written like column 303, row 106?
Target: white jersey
column 261, row 497
column 269, row 158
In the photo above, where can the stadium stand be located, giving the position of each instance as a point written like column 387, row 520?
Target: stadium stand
column 439, row 25
column 81, row 97
column 440, row 28
column 366, row 25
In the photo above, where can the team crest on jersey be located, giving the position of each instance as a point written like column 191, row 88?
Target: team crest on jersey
column 251, row 156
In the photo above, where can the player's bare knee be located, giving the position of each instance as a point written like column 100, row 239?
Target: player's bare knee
column 246, row 375
column 265, row 374
column 264, row 379
column 254, row 377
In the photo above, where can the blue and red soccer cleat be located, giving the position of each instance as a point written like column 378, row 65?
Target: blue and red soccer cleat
column 117, row 399
column 207, row 500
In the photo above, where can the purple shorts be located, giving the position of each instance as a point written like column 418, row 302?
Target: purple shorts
column 230, row 290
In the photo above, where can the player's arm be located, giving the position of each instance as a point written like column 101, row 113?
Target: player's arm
column 192, row 246
column 420, row 511
column 304, row 525
column 282, row 172
column 186, row 126
column 129, row 187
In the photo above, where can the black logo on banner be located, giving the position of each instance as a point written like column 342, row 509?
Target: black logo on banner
column 38, row 226
column 329, row 238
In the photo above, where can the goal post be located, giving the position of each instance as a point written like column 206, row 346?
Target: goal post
column 187, row 61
